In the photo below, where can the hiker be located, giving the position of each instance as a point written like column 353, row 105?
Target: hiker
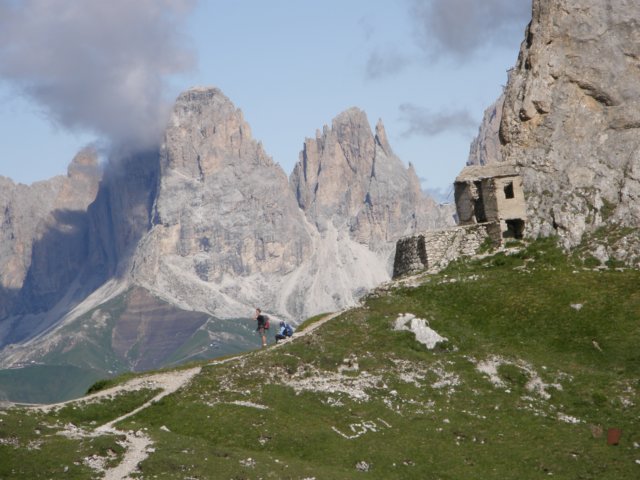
column 263, row 325
column 284, row 332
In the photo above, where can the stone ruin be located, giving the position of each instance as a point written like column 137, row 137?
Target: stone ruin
column 492, row 194
column 490, row 208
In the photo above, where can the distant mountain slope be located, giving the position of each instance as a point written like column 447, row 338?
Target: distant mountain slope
column 133, row 331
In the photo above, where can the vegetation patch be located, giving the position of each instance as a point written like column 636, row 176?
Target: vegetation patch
column 102, row 410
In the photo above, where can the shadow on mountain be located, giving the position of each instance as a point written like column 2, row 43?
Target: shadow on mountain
column 80, row 250
column 8, row 297
column 121, row 214
column 56, row 261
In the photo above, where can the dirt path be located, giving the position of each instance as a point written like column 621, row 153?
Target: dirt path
column 139, row 444
column 314, row 326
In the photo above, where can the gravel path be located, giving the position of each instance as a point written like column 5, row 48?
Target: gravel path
column 137, row 443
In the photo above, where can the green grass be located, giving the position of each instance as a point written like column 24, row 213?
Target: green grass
column 310, row 321
column 98, row 412
column 31, row 448
column 45, row 383
column 413, row 412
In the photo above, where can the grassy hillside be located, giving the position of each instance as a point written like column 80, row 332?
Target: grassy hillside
column 91, row 347
column 541, row 359
column 46, row 383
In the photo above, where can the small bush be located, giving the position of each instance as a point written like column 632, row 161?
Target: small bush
column 513, row 375
column 99, row 386
column 591, row 262
column 486, row 246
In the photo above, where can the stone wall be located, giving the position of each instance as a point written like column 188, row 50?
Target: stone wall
column 433, row 251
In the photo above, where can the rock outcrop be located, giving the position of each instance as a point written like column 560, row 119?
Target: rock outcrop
column 571, row 119
column 351, row 178
column 43, row 230
column 228, row 232
column 224, row 220
column 485, row 148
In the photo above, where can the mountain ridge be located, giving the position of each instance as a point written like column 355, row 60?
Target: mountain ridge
column 210, row 223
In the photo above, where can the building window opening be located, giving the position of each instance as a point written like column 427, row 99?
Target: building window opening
column 478, row 204
column 515, row 229
column 508, row 190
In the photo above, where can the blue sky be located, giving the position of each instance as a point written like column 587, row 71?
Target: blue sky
column 98, row 71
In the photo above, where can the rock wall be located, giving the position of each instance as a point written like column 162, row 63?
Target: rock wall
column 571, row 118
column 224, row 219
column 351, row 178
column 230, row 232
column 485, row 148
column 433, row 251
column 43, row 229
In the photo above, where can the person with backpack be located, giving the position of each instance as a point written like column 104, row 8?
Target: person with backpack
column 263, row 325
column 284, row 332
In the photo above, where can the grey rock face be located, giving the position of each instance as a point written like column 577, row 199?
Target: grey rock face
column 351, row 178
column 229, row 233
column 485, row 148
column 43, row 229
column 571, row 117
column 224, row 218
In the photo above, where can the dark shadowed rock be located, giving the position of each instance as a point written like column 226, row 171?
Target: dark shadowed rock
column 43, row 230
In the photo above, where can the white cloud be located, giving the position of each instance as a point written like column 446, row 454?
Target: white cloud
column 97, row 66
column 422, row 121
column 462, row 27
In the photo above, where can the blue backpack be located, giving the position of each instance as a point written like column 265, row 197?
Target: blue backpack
column 288, row 331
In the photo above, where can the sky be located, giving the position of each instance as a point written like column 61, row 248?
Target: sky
column 79, row 72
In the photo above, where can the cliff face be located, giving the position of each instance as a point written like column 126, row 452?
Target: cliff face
column 229, row 233
column 485, row 148
column 43, row 229
column 571, row 118
column 120, row 215
column 351, row 178
column 224, row 219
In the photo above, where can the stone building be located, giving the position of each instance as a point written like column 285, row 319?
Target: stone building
column 491, row 208
column 491, row 193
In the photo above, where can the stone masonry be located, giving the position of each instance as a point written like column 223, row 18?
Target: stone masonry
column 432, row 251
column 492, row 193
column 491, row 207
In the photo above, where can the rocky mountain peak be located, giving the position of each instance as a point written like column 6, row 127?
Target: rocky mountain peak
column 86, row 163
column 381, row 138
column 350, row 177
column 223, row 212
column 216, row 132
